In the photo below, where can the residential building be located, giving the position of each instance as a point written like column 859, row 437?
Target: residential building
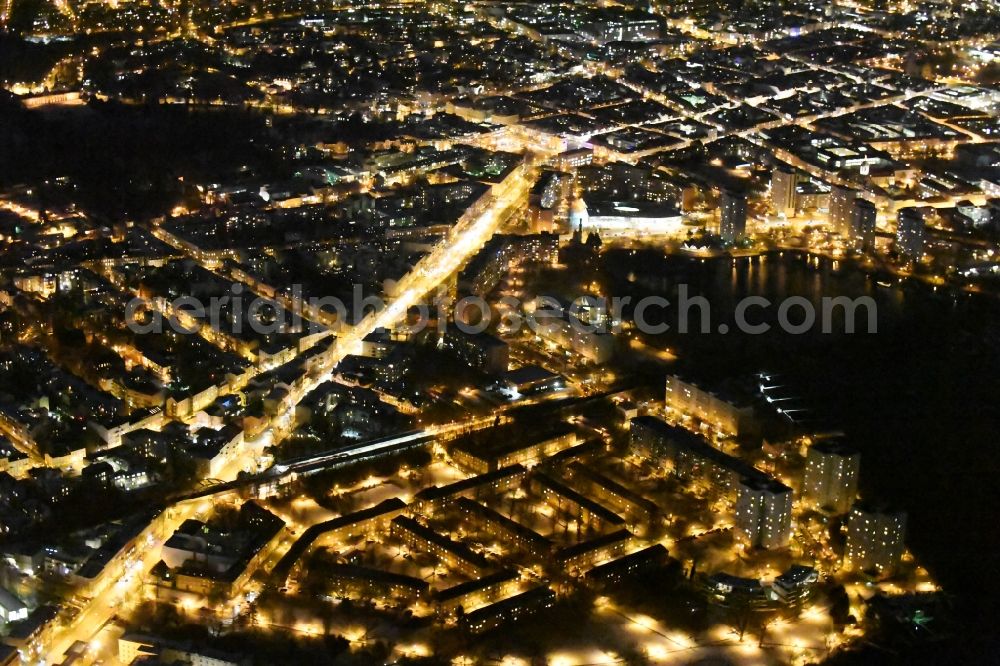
column 783, row 182
column 348, row 581
column 764, row 513
column 616, row 571
column 474, row 487
column 501, row 527
column 795, row 585
column 874, row 539
column 863, row 218
column 615, row 495
column 453, row 554
column 581, row 557
column 510, row 609
column 583, row 510
column 911, row 233
column 483, row 460
column 723, row 412
column 732, row 216
column 481, row 350
column 133, row 646
column 689, row 456
column 474, row 594
column 831, row 476
column 842, row 208
column 202, row 559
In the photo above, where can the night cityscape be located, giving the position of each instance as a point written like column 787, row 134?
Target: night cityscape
column 567, row 333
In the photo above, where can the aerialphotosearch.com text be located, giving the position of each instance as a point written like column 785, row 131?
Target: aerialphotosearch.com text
column 238, row 311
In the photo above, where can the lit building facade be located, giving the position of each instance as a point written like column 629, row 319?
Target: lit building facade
column 626, row 217
column 362, row 583
column 583, row 510
column 831, row 476
column 783, row 182
column 842, row 208
column 874, row 539
column 581, row 557
column 732, row 216
column 501, row 527
column 764, row 513
column 911, row 231
column 721, row 413
column 477, row 487
column 454, row 554
column 795, row 585
column 477, row 593
column 691, row 457
column 481, row 350
column 863, row 218
column 616, row 496
column 516, row 453
column 617, row 571
column 510, row 609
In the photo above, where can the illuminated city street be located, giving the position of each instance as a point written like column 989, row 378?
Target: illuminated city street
column 531, row 334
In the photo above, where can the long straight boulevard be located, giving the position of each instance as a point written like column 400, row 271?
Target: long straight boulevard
column 472, row 231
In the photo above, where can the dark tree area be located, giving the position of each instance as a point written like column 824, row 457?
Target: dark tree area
column 21, row 60
column 125, row 162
